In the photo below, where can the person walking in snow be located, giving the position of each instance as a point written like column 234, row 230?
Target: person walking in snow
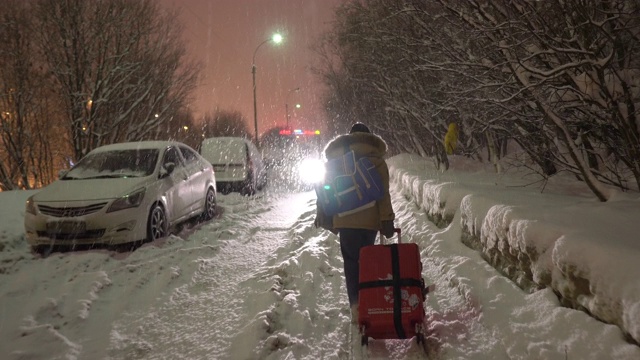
column 451, row 139
column 359, row 229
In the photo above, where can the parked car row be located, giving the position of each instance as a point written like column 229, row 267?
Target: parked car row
column 135, row 192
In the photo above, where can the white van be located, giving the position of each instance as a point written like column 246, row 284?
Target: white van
column 237, row 162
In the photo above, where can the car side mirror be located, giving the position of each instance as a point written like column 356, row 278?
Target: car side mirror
column 167, row 169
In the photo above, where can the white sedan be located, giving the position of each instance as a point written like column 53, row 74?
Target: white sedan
column 122, row 193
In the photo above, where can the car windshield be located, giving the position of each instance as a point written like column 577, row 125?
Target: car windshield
column 115, row 164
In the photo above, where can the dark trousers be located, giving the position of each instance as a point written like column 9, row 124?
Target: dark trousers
column 351, row 240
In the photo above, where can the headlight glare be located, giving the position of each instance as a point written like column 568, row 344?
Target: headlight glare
column 131, row 200
column 30, row 206
column 311, row 171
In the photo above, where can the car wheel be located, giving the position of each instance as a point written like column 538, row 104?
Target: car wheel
column 209, row 205
column 42, row 250
column 157, row 224
column 263, row 181
column 249, row 186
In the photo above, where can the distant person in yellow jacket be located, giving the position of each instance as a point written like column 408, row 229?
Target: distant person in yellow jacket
column 451, row 139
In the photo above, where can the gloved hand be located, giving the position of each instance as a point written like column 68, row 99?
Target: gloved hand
column 388, row 229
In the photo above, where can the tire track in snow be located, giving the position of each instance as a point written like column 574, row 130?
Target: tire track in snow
column 201, row 319
column 453, row 316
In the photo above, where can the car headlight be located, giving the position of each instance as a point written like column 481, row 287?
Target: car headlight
column 131, row 200
column 30, row 206
column 311, row 171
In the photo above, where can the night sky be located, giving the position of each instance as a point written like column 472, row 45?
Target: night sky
column 223, row 35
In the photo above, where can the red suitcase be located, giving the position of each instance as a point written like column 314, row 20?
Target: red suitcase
column 391, row 292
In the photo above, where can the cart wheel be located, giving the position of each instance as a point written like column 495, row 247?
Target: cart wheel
column 420, row 338
column 364, row 348
column 365, row 339
column 422, row 342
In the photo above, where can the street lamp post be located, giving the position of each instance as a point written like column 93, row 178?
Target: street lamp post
column 286, row 104
column 276, row 38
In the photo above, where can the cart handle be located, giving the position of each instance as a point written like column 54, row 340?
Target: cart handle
column 399, row 231
column 383, row 239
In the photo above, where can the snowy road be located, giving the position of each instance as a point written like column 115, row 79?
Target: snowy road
column 260, row 282
column 202, row 318
column 268, row 285
column 263, row 283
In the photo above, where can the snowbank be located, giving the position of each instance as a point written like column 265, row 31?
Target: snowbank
column 584, row 250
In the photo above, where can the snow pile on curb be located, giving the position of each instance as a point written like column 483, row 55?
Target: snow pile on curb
column 585, row 250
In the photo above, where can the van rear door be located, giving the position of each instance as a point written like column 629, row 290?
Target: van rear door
column 228, row 157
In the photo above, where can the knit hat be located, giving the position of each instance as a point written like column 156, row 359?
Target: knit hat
column 359, row 127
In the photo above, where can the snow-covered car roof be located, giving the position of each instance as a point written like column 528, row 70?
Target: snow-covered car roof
column 138, row 145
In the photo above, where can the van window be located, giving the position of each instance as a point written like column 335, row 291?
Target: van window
column 224, row 150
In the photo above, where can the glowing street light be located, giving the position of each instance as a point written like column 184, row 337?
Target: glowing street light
column 276, row 38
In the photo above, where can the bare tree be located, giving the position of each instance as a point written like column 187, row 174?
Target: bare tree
column 225, row 123
column 379, row 77
column 181, row 127
column 26, row 153
column 558, row 78
column 577, row 61
column 119, row 65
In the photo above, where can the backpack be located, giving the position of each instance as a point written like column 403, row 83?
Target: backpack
column 350, row 185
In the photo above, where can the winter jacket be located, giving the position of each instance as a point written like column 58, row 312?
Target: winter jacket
column 373, row 147
column 451, row 139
